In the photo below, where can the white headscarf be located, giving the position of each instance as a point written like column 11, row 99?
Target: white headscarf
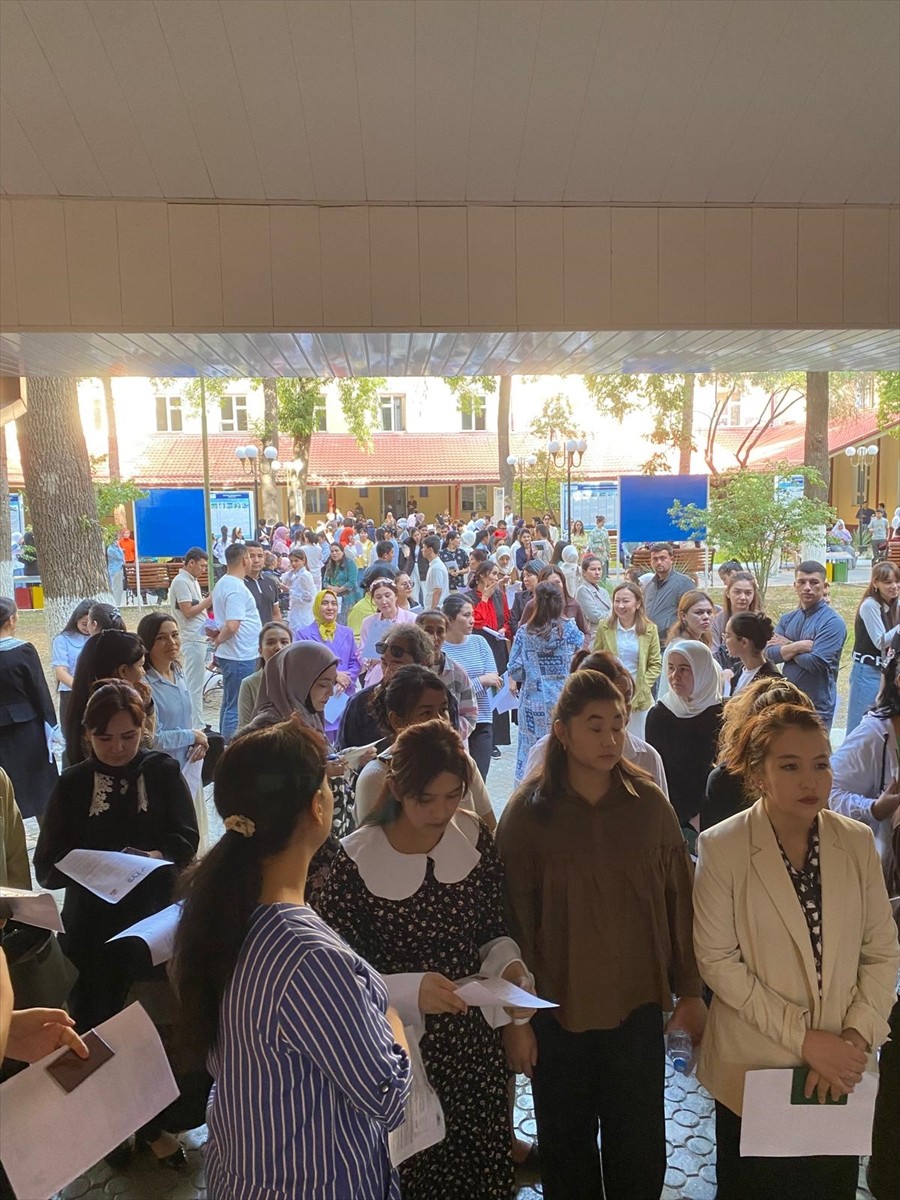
column 707, row 689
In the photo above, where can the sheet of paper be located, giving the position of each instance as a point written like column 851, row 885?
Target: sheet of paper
column 157, row 931
column 376, row 632
column 503, row 700
column 494, row 633
column 772, row 1127
column 481, row 992
column 49, row 1137
column 193, row 775
column 353, row 754
column 423, row 1124
column 32, row 908
column 511, row 592
column 109, row 874
column 335, row 706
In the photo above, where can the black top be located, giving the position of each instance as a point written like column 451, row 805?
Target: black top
column 767, row 671
column 265, row 592
column 687, row 746
column 147, row 806
column 358, row 727
column 24, row 695
column 725, row 796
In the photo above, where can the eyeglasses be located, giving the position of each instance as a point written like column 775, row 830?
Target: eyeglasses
column 393, row 650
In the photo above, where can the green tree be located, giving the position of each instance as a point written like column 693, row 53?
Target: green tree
column 471, row 393
column 887, row 384
column 112, row 494
column 542, row 481
column 753, row 518
column 668, row 398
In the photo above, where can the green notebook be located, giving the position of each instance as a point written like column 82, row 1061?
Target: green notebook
column 798, row 1083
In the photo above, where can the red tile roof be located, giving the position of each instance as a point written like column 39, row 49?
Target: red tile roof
column 785, row 443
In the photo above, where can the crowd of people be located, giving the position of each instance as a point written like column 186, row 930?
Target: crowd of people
column 682, row 852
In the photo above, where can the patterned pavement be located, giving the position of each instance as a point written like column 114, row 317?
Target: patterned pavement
column 691, row 1173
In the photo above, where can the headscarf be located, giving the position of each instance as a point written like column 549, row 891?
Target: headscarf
column 279, row 540
column 287, row 679
column 707, row 680
column 327, row 629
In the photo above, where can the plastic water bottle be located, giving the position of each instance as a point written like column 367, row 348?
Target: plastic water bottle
column 680, row 1049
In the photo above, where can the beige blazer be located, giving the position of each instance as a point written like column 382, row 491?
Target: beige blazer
column 753, row 949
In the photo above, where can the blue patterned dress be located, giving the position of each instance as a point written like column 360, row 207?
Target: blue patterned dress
column 540, row 665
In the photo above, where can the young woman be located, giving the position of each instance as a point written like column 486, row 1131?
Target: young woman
column 725, row 793
column 877, row 622
column 104, row 616
column 299, row 1107
column 490, row 612
column 473, row 654
column 530, row 574
column 412, row 561
column 628, row 635
column 171, row 698
column 538, row 666
column 571, row 607
column 383, row 593
column 414, row 695
column 434, row 623
column 109, row 654
column 525, row 550
column 26, row 713
column 794, row 935
column 273, row 636
column 66, row 647
column 746, row 636
column 456, row 560
column 402, row 644
column 120, row 797
column 866, row 766
column 417, row 891
column 340, row 576
column 325, row 629
column 579, row 537
column 302, row 589
column 609, row 942
column 741, row 595
column 694, row 620
column 406, row 600
column 592, row 596
column 683, row 726
column 570, row 568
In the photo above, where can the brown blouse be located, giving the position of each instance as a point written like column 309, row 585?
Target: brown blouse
column 599, row 900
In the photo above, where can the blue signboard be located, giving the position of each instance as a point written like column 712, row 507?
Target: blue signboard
column 645, row 500
column 169, row 521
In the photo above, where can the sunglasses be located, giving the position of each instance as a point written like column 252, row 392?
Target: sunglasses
column 393, row 650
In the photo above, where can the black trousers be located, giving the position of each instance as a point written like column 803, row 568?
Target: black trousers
column 481, row 743
column 824, row 1177
column 884, row 1170
column 611, row 1078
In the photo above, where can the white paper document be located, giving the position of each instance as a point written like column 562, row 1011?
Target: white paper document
column 157, row 931
column 504, row 700
column 109, row 874
column 512, row 592
column 423, row 1123
column 494, row 633
column 49, row 1137
column 335, row 705
column 376, row 632
column 481, row 992
column 31, row 908
column 353, row 755
column 772, row 1127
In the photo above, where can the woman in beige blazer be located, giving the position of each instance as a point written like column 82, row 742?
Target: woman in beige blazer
column 793, row 934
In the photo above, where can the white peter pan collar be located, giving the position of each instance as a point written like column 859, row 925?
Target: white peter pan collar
column 395, row 876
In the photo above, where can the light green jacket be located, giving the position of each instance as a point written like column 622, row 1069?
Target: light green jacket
column 649, row 661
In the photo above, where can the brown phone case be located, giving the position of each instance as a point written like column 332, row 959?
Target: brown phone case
column 69, row 1070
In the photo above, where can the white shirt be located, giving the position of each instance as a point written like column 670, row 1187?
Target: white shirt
column 743, row 680
column 233, row 601
column 438, row 577
column 627, row 648
column 185, row 587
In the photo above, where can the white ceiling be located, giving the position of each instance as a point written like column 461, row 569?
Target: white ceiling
column 257, row 355
column 452, row 101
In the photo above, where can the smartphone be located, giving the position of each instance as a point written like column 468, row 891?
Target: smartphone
column 69, row 1070
column 134, row 850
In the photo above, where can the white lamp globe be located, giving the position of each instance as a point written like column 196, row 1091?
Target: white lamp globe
column 241, row 453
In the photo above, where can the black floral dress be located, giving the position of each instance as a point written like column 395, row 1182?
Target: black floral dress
column 440, row 927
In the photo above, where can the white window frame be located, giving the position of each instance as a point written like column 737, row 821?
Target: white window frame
column 474, row 419
column 397, row 404
column 173, row 409
column 234, row 416
column 320, row 418
column 470, row 495
column 317, row 500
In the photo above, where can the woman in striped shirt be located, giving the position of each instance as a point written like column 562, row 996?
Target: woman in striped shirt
column 310, row 1064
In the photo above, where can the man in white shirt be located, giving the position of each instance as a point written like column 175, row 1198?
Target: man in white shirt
column 189, row 608
column 237, row 641
column 437, row 581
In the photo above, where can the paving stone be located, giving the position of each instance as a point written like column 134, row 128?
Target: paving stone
column 675, row 1179
column 684, row 1160
column 700, row 1145
column 698, row 1189
column 699, row 1103
column 708, row 1172
column 686, row 1119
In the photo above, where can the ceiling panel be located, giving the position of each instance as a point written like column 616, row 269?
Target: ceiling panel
column 446, row 32
column 526, row 353
column 23, row 173
column 384, row 41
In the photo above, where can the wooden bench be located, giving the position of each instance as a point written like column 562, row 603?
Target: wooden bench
column 154, row 578
column 690, row 560
column 173, row 568
column 893, row 554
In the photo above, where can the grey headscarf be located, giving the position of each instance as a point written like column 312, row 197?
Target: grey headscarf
column 287, row 679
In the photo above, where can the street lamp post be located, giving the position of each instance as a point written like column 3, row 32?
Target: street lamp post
column 248, row 457
column 568, row 454
column 519, row 462
column 293, row 471
column 857, row 456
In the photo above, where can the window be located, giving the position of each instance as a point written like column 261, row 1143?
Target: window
column 317, row 500
column 423, row 493
column 475, row 419
column 474, row 499
column 234, row 414
column 168, row 414
column 320, row 423
column 363, row 493
column 734, row 414
column 392, row 413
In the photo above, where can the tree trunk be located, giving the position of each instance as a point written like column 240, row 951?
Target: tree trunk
column 815, row 443
column 301, row 452
column 506, row 472
column 6, row 562
column 268, row 486
column 112, row 435
column 61, row 500
column 685, row 438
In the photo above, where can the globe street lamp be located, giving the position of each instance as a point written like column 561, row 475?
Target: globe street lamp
column 858, row 456
column 519, row 462
column 567, row 454
column 293, row 470
column 248, row 456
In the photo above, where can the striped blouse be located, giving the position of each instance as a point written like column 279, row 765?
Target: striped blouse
column 474, row 656
column 308, row 1078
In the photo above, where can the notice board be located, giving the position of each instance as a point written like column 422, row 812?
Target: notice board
column 645, row 500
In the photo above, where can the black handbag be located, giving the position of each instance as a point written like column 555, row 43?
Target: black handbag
column 214, row 752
